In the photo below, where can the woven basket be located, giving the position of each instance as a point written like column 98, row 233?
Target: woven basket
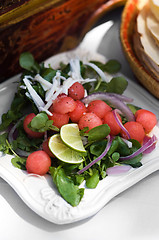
column 129, row 15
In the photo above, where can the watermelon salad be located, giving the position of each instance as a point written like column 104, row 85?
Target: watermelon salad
column 75, row 124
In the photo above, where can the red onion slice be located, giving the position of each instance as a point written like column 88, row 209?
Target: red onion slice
column 12, row 131
column 118, row 169
column 150, row 149
column 98, row 158
column 109, row 95
column 146, row 146
column 120, row 124
column 122, row 97
column 20, row 152
column 116, row 100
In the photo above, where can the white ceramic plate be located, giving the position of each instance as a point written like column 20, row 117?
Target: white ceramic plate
column 40, row 194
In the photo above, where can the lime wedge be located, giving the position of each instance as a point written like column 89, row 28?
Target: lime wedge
column 70, row 135
column 63, row 152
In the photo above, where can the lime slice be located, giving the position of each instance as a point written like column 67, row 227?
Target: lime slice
column 63, row 152
column 70, row 135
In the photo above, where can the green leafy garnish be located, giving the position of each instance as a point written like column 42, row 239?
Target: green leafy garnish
column 66, row 187
column 112, row 66
column 135, row 161
column 117, row 85
column 3, row 143
column 19, row 162
column 48, row 74
column 98, row 133
column 41, row 123
column 133, row 108
column 93, row 180
column 28, row 62
column 98, row 147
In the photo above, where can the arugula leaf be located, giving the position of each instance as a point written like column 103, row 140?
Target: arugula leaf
column 89, row 72
column 115, row 156
column 14, row 113
column 48, row 74
column 122, row 147
column 8, row 118
column 41, row 123
column 38, row 88
column 113, row 146
column 23, row 142
column 66, row 187
column 78, row 179
column 93, row 180
column 112, row 66
column 133, row 108
column 26, row 144
column 117, row 85
column 98, row 147
column 19, row 101
column 27, row 62
column 19, row 162
column 98, row 133
column 134, row 162
column 65, row 68
column 3, row 143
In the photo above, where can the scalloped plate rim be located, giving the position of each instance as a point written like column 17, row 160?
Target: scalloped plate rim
column 40, row 194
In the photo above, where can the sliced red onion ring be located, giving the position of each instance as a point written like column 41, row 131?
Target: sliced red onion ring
column 98, row 158
column 12, row 130
column 122, row 97
column 20, row 152
column 116, row 100
column 118, row 169
column 146, row 146
column 150, row 149
column 105, row 95
column 120, row 124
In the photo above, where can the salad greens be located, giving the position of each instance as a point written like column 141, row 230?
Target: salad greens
column 65, row 176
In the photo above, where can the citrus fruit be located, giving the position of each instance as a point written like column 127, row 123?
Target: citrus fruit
column 63, row 152
column 70, row 135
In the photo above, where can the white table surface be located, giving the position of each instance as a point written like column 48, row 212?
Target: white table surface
column 133, row 214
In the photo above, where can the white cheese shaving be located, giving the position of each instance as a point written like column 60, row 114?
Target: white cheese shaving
column 87, row 80
column 67, row 84
column 75, row 68
column 44, row 83
column 35, row 97
column 28, row 95
column 57, row 87
column 85, row 93
column 23, row 87
column 45, row 110
column 49, row 103
column 99, row 71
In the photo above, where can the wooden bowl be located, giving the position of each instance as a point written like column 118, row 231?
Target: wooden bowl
column 129, row 15
column 45, row 28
